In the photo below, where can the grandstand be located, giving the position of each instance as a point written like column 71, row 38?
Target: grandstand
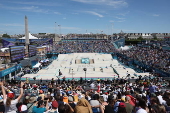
column 97, row 56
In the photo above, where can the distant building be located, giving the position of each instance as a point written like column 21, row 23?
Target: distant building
column 147, row 35
column 167, row 38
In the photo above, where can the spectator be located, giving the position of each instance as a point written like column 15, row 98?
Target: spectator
column 122, row 108
column 32, row 100
column 22, row 109
column 2, row 107
column 141, row 107
column 110, row 107
column 40, row 107
column 83, row 106
column 153, row 88
column 71, row 101
column 102, row 104
column 65, row 108
column 168, row 106
column 41, row 94
column 9, row 100
column 54, row 107
column 95, row 103
column 129, row 107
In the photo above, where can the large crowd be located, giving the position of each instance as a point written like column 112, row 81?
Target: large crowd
column 85, row 46
column 154, row 57
column 145, row 95
column 119, row 95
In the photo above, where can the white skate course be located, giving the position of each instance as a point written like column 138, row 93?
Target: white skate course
column 71, row 66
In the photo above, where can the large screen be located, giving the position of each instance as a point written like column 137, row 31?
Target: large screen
column 85, row 61
column 17, row 53
column 32, row 50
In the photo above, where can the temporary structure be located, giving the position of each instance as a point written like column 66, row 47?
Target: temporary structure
column 37, row 65
column 30, row 37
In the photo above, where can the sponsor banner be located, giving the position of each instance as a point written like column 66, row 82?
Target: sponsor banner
column 6, row 43
column 9, row 70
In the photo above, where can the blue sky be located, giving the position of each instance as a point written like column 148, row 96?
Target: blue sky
column 85, row 16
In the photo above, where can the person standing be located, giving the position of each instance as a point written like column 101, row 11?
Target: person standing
column 2, row 107
column 40, row 107
column 129, row 107
column 94, row 102
column 83, row 106
column 9, row 101
column 54, row 108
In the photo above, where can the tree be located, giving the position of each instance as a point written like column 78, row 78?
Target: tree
column 140, row 38
column 155, row 37
column 6, row 36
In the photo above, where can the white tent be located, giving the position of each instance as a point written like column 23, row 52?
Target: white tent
column 124, row 48
column 30, row 37
column 37, row 65
column 4, row 49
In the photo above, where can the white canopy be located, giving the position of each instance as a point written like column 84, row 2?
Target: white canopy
column 37, row 65
column 45, row 60
column 4, row 49
column 124, row 48
column 30, row 37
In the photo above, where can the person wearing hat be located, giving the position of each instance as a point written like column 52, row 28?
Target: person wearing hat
column 22, row 109
column 9, row 101
column 71, row 101
column 122, row 108
column 54, row 107
column 41, row 94
column 31, row 101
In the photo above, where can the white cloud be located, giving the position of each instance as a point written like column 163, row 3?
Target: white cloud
column 113, row 3
column 37, row 3
column 120, row 18
column 57, row 13
column 64, row 18
column 34, row 9
column 124, row 14
column 13, row 24
column 121, row 21
column 94, row 13
column 26, row 8
column 155, row 15
column 111, row 21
